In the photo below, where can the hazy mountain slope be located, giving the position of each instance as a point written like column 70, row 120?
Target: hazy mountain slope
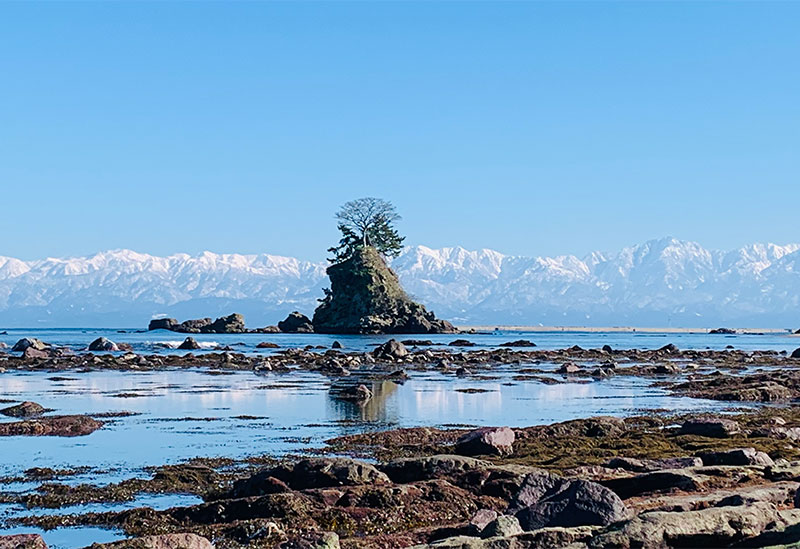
column 660, row 282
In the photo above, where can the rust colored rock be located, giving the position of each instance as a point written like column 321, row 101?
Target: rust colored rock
column 22, row 541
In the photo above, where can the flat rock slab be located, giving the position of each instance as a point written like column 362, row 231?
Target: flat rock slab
column 166, row 541
column 56, row 426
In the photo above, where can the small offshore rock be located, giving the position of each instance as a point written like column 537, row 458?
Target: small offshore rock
column 569, row 368
column 336, row 345
column 267, row 345
column 796, row 353
column 296, row 322
column 710, row 427
column 163, row 324
column 519, row 343
column 189, row 344
column 461, row 343
column 103, row 344
column 390, row 349
column 26, row 409
column 670, row 348
column 486, row 441
column 29, row 342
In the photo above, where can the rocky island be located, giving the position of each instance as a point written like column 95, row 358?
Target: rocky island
column 366, row 298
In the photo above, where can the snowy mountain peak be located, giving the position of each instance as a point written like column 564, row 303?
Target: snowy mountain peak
column 653, row 283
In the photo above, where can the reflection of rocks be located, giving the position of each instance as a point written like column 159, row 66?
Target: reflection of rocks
column 374, row 409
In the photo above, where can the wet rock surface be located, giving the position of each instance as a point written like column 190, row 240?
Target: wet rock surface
column 56, row 426
column 643, row 481
column 635, row 482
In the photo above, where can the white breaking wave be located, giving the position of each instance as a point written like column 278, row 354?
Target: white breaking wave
column 660, row 282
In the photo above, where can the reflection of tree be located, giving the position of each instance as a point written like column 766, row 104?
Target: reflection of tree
column 375, row 410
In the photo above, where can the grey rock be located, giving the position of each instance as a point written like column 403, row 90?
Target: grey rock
column 103, row 344
column 738, row 456
column 29, row 342
column 296, row 322
column 547, row 500
column 710, row 427
column 486, row 441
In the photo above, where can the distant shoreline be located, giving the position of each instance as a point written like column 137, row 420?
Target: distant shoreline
column 620, row 329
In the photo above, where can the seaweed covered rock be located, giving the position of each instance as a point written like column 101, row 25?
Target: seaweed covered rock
column 366, row 298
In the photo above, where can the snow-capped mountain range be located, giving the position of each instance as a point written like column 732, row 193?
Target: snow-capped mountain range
column 664, row 282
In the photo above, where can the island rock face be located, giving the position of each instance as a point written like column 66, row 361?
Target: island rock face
column 366, row 298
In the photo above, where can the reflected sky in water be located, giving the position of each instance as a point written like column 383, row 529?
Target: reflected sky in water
column 187, row 413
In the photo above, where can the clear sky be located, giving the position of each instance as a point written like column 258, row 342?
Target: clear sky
column 530, row 128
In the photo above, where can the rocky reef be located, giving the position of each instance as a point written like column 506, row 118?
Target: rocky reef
column 231, row 324
column 366, row 297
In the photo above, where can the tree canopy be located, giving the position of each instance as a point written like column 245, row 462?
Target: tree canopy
column 367, row 222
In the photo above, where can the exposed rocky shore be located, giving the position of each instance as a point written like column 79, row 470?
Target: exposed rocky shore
column 647, row 482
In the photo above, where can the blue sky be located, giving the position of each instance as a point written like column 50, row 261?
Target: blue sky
column 531, row 128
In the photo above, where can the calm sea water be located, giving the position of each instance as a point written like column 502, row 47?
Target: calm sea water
column 160, row 341
column 181, row 414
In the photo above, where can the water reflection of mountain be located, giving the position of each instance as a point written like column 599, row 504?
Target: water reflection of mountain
column 381, row 409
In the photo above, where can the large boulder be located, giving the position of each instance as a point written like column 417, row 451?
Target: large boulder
column 487, row 440
column 713, row 527
column 22, row 541
column 366, row 298
column 548, row 500
column 29, row 343
column 796, row 352
column 426, row 468
column 296, row 322
column 391, row 349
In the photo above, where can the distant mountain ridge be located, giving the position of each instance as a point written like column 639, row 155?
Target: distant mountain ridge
column 658, row 283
